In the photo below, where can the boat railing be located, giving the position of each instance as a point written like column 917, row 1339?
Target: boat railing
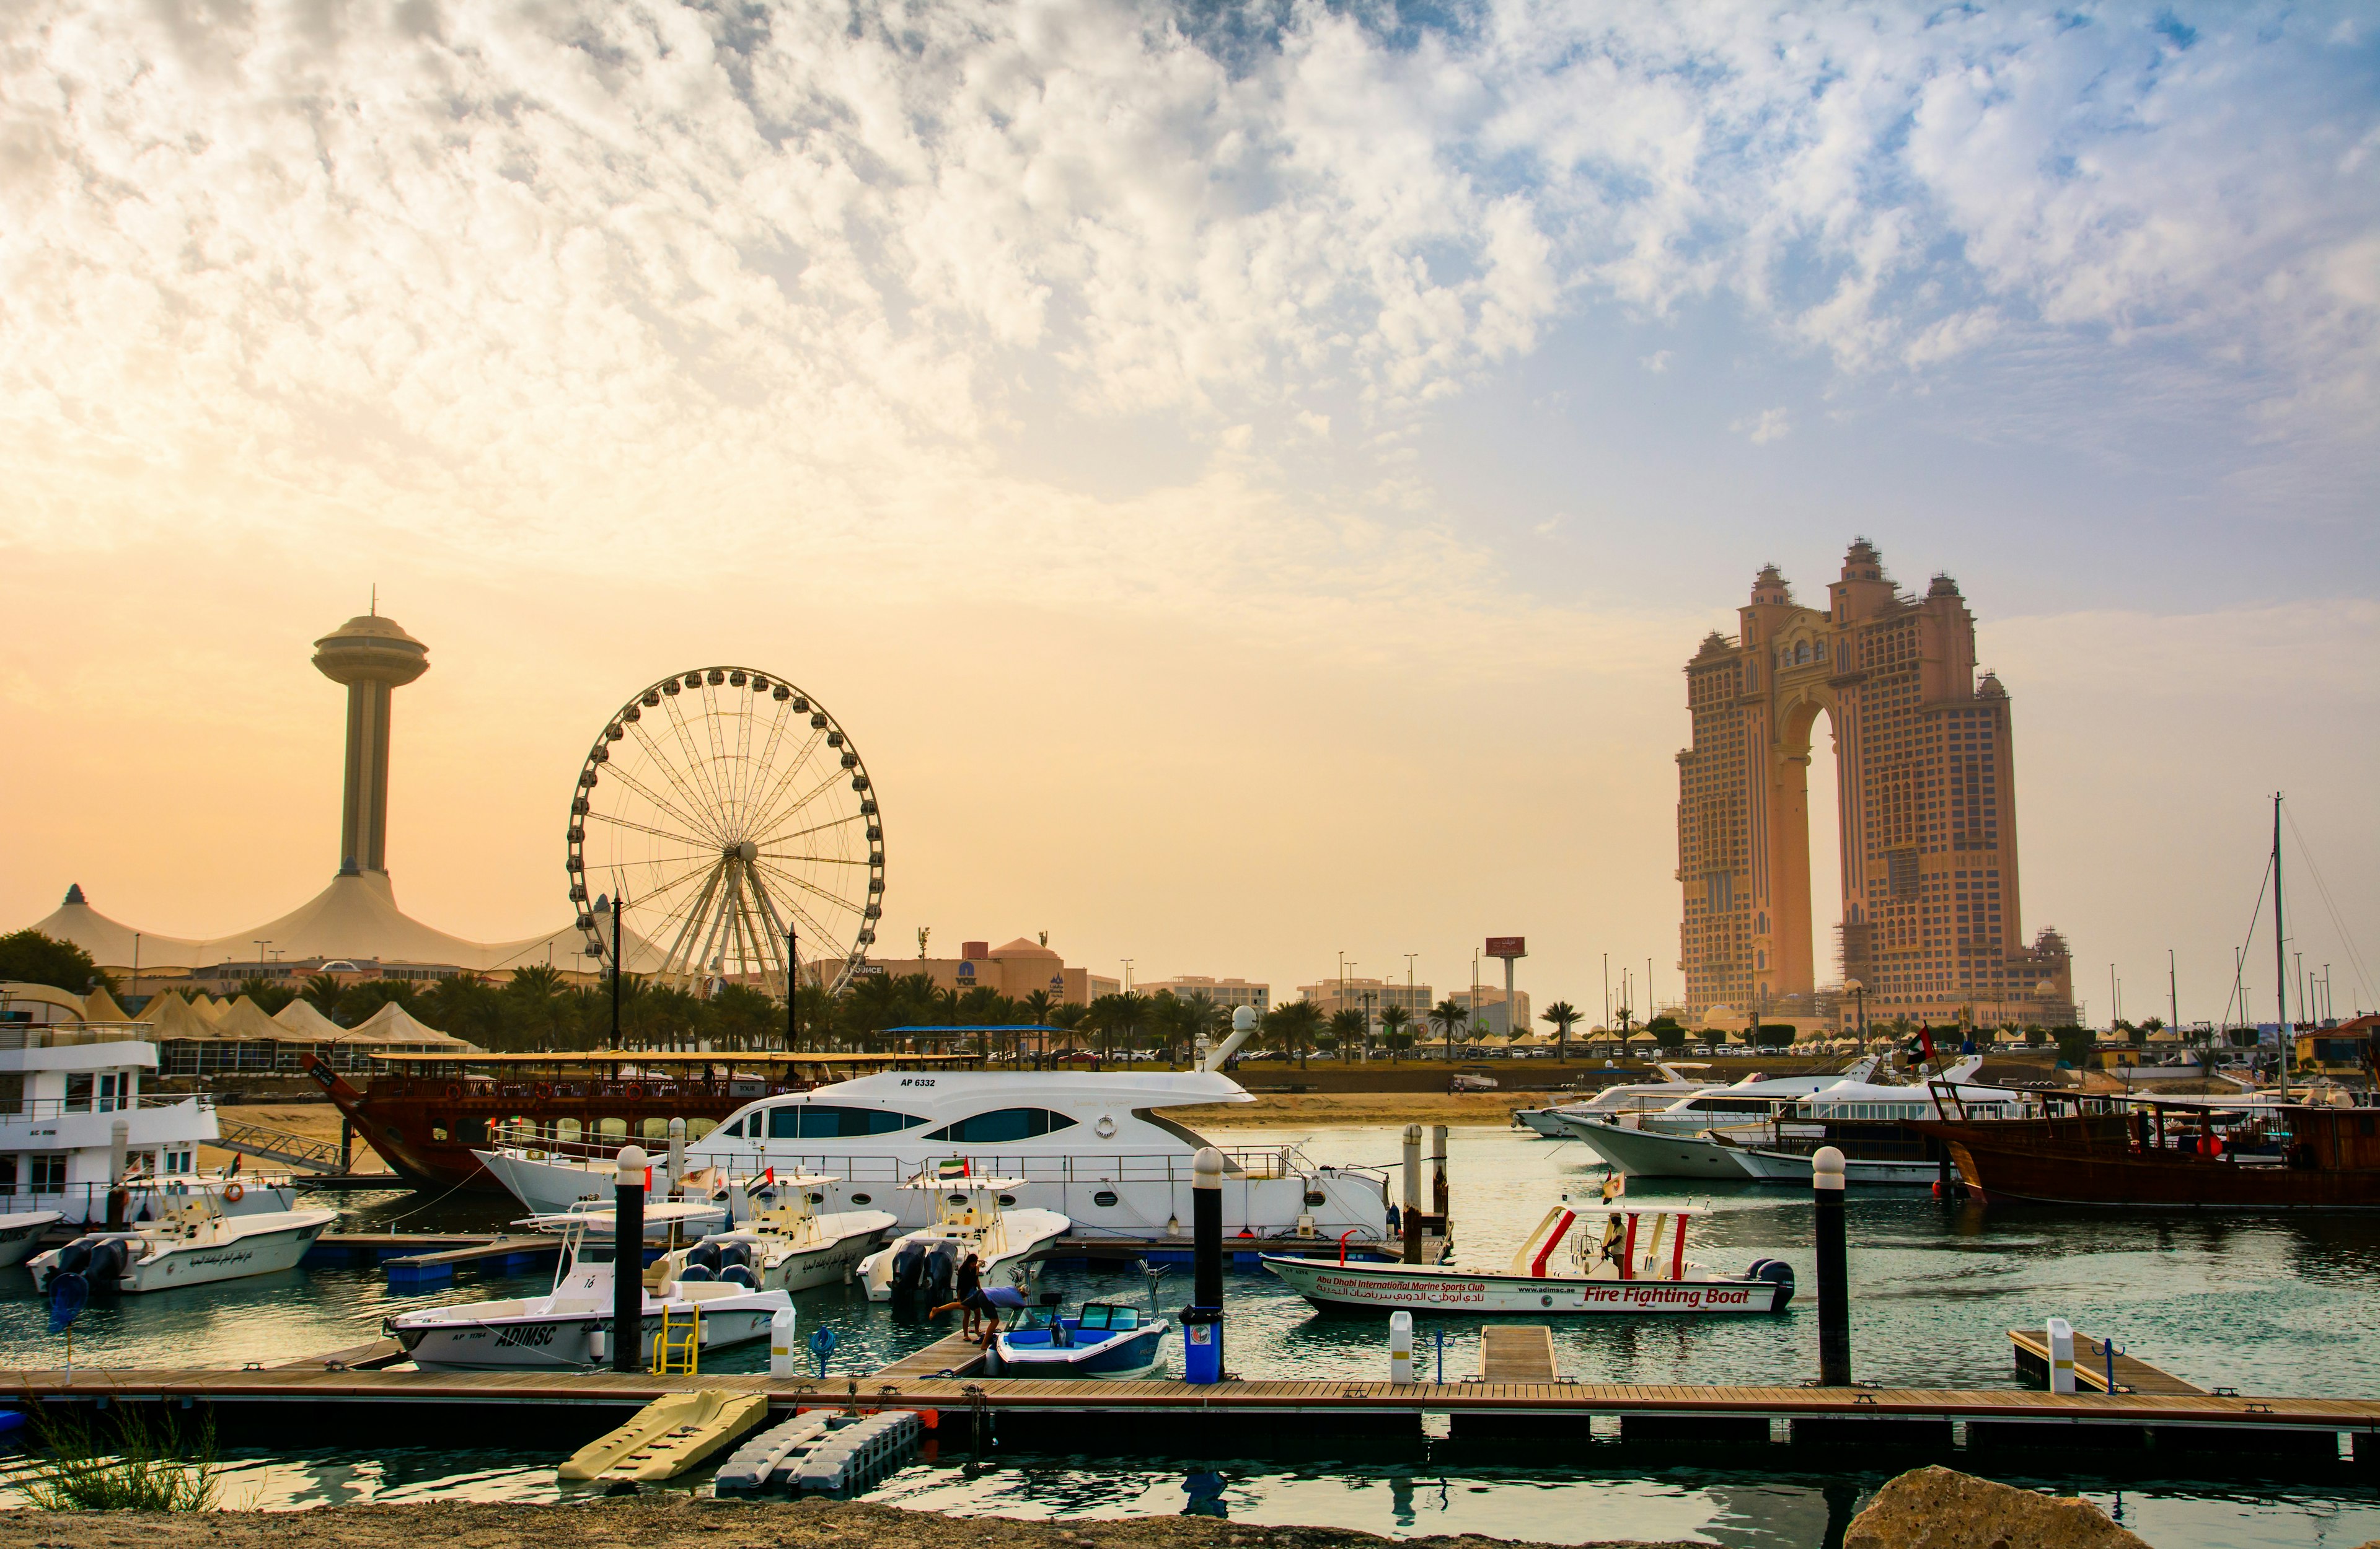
column 73, row 1035
column 1249, row 1163
column 62, row 1108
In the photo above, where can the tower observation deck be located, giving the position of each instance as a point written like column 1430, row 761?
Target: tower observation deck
column 373, row 658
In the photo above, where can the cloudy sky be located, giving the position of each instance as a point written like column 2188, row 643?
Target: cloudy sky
column 1247, row 475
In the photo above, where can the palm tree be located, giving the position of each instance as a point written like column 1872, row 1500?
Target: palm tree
column 1446, row 1016
column 1349, row 1026
column 1392, row 1026
column 1294, row 1026
column 1200, row 1018
column 1564, row 1016
column 324, row 991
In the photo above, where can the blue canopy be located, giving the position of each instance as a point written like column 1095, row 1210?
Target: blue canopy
column 1005, row 1296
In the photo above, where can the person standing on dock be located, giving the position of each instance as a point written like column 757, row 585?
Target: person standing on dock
column 970, row 1280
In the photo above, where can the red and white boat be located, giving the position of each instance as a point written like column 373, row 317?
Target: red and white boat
column 1615, row 1257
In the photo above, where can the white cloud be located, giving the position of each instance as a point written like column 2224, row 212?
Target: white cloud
column 1766, row 426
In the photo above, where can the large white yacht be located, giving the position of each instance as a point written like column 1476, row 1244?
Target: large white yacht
column 1093, row 1146
column 64, row 1089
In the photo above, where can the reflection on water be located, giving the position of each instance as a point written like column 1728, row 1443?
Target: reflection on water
column 2263, row 1305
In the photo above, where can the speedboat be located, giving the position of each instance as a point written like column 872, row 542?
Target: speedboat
column 20, row 1233
column 1635, row 1263
column 570, row 1328
column 1104, row 1339
column 971, row 1216
column 1100, row 1148
column 195, row 1244
column 784, row 1244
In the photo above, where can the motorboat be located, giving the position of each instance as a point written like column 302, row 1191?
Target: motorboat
column 972, row 1214
column 1103, row 1339
column 1096, row 1147
column 783, row 1244
column 1623, row 1258
column 20, row 1233
column 195, row 1244
column 1875, row 1127
column 570, row 1328
column 1699, row 1137
column 1753, row 1099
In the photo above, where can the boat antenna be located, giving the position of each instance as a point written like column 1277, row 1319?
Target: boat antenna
column 2282, row 956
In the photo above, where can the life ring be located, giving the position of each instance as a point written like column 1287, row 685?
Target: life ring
column 541, row 1092
column 234, row 1191
column 454, row 1091
column 634, row 1091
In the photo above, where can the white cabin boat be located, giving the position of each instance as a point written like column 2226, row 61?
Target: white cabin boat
column 1095, row 1147
column 784, row 1243
column 971, row 1216
column 65, row 1087
column 570, row 1328
column 198, row 1244
column 1622, row 1258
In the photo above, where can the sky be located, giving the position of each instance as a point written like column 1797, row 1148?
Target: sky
column 1248, row 476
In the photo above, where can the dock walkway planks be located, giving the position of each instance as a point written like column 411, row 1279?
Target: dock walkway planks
column 2091, row 1365
column 1516, row 1353
column 474, row 1390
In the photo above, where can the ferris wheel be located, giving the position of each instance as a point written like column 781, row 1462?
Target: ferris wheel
column 729, row 809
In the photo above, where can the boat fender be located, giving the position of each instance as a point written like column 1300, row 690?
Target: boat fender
column 234, row 1191
column 740, row 1274
column 694, row 1273
column 74, row 1257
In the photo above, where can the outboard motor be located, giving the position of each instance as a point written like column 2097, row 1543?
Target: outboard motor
column 731, row 1254
column 1776, row 1272
column 74, row 1257
column 941, row 1268
column 694, row 1273
column 109, row 1258
column 705, row 1254
column 908, row 1266
column 740, row 1274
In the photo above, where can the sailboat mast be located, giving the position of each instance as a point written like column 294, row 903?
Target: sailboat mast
column 2281, row 954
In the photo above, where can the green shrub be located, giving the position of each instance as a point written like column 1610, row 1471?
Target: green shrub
column 140, row 1468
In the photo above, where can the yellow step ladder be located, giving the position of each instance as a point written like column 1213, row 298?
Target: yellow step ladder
column 677, row 1349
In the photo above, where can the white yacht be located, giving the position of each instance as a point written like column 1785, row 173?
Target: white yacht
column 570, row 1328
column 64, row 1088
column 971, row 1216
column 1627, row 1097
column 1093, row 1146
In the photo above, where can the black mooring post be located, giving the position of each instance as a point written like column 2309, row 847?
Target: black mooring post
column 1202, row 1320
column 628, row 1262
column 1834, row 1270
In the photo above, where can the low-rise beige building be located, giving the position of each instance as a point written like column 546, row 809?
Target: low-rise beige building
column 1015, row 970
column 1371, row 995
column 1227, row 993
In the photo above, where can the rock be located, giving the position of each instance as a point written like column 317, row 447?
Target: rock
column 1942, row 1508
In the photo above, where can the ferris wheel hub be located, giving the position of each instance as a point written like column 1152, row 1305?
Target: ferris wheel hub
column 746, row 851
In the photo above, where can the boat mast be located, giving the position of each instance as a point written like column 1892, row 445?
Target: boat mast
column 2281, row 954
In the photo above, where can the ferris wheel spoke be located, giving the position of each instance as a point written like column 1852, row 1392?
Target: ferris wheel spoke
column 822, row 860
column 665, row 889
column 698, row 907
column 815, row 928
column 807, row 797
column 720, row 768
column 693, row 799
column 768, row 749
column 813, row 829
column 674, row 837
column 743, row 754
column 805, row 885
column 697, row 766
column 768, row 806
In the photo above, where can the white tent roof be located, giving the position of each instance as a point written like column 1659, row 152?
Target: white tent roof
column 300, row 1019
column 171, row 1018
column 393, row 1025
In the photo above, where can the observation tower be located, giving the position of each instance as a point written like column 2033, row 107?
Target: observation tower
column 373, row 658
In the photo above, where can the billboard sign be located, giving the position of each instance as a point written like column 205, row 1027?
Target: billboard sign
column 1508, row 946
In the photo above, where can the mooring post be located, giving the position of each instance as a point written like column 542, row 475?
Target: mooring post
column 347, row 1146
column 1834, row 1270
column 1401, row 1349
column 629, row 1261
column 2060, row 1334
column 677, row 1156
column 1412, row 1193
column 1202, row 1320
column 119, row 1201
column 1438, row 1178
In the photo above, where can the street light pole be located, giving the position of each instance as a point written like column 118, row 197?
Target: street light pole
column 793, row 993
column 619, row 907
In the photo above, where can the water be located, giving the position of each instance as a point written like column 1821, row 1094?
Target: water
column 2278, row 1306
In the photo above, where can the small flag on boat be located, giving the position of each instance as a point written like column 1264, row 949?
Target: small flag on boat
column 953, row 1169
column 1925, row 1037
column 761, row 1184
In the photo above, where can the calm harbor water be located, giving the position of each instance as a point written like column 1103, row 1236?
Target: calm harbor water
column 2265, row 1306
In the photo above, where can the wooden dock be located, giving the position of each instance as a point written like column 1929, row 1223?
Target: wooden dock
column 1516, row 1353
column 2031, row 1347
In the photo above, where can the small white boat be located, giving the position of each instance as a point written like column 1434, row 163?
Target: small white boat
column 1105, row 1340
column 195, row 1245
column 570, row 1328
column 971, row 1216
column 1794, row 1167
column 784, row 1244
column 1709, row 1156
column 21, row 1233
column 1635, row 1263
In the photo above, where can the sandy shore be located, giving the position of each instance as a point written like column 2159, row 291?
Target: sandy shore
column 665, row 1520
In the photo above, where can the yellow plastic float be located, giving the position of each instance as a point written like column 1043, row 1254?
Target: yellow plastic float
column 668, row 1436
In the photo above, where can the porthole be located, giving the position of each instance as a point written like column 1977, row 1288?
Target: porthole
column 818, row 1199
column 1104, row 1199
column 860, row 1199
column 1008, row 1199
column 1316, row 1196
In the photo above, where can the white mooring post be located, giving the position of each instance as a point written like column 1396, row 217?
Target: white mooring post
column 1401, row 1349
column 782, row 1354
column 2061, row 1356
